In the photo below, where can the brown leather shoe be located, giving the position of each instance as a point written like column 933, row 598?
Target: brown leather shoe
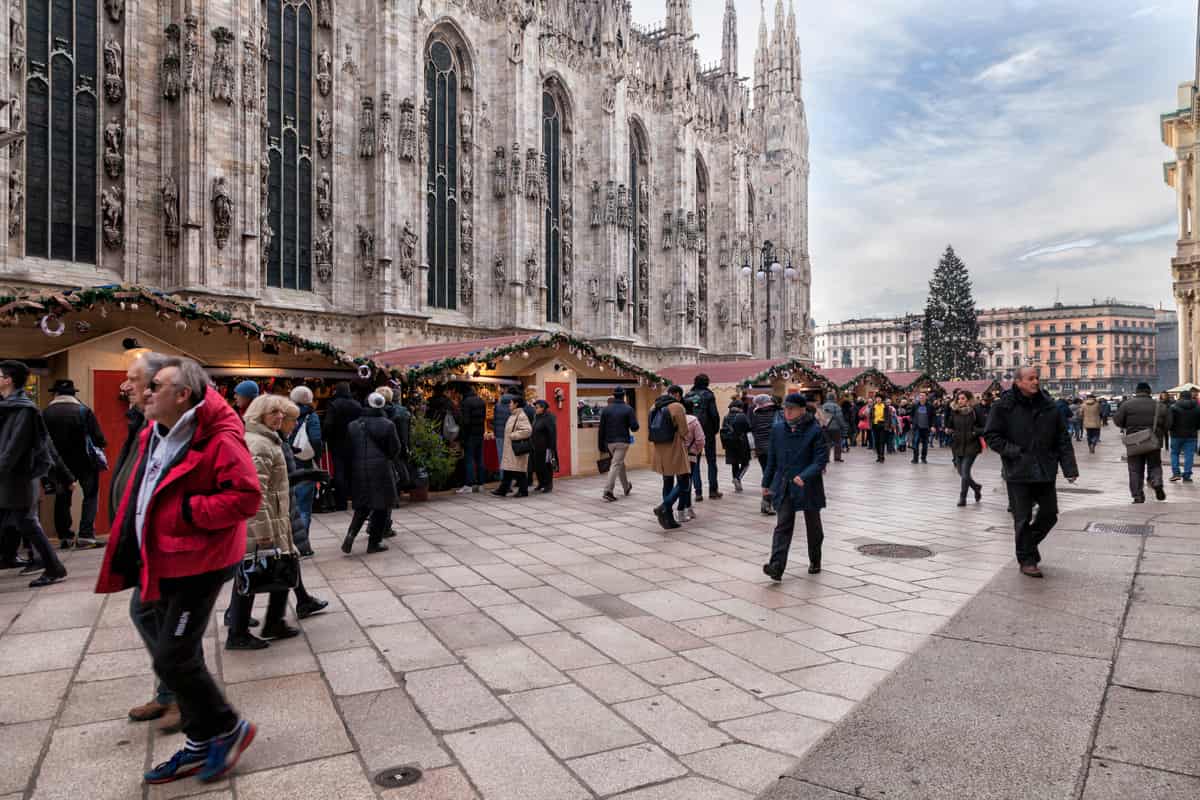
column 1031, row 570
column 148, row 711
column 171, row 721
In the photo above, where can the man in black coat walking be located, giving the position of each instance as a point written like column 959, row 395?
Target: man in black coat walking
column 343, row 410
column 73, row 427
column 704, row 405
column 471, row 427
column 618, row 421
column 1027, row 430
column 1138, row 413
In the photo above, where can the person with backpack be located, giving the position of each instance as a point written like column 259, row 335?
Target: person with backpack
column 834, row 426
column 76, row 434
column 693, row 443
column 735, row 438
column 667, row 431
column 307, row 446
column 473, row 413
column 704, row 405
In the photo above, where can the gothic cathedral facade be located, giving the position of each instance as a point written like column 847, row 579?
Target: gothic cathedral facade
column 379, row 174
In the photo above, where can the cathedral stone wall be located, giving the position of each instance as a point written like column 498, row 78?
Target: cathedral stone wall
column 666, row 181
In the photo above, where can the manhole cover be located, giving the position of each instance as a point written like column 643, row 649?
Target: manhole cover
column 392, row 777
column 895, row 550
column 1079, row 490
column 1114, row 527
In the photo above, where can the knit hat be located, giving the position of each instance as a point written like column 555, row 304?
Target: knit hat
column 375, row 400
column 247, row 389
column 301, row 396
column 795, row 399
column 1143, row 388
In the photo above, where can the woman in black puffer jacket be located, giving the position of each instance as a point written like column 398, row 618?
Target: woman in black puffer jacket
column 966, row 431
column 761, row 419
column 373, row 445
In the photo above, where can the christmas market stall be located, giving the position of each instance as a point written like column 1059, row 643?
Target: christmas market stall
column 976, row 388
column 92, row 335
column 914, row 382
column 571, row 375
column 861, row 383
column 730, row 379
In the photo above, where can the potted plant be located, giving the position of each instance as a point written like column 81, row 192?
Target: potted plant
column 431, row 459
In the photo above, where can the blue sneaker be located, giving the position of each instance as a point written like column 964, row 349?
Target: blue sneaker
column 183, row 764
column 224, row 751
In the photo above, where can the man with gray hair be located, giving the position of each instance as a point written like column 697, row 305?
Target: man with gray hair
column 178, row 534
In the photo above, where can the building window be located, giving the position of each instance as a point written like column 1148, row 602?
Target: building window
column 1100, row 339
column 639, row 242
column 62, row 121
column 441, row 175
column 1100, row 354
column 1016, row 360
column 552, row 119
column 289, row 144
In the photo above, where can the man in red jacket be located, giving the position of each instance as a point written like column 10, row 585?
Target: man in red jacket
column 177, row 536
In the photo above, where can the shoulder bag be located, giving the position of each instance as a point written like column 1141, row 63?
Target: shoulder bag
column 301, row 444
column 1140, row 443
column 96, row 456
column 266, row 571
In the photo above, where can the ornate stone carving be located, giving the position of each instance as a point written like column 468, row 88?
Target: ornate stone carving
column 608, row 100
column 16, row 37
column 112, row 212
column 533, row 272
column 423, row 129
column 324, row 71
column 568, row 300
column 408, row 251
column 610, row 204
column 681, row 236
column 16, row 202
column 690, row 308
column 702, row 321
column 568, row 167
column 114, row 82
column 348, row 65
column 643, row 277
column 191, row 54
column 249, row 72
column 266, row 234
column 515, row 170
column 643, row 197
column 624, row 216
column 220, row 82
column 518, row 19
column 723, row 251
column 325, row 195
column 408, row 130
column 169, row 75
column 366, row 251
column 500, row 172
column 643, row 233
column 385, row 123
column 16, row 122
column 170, row 207
column 499, row 273
column 666, row 305
column 722, row 313
column 597, row 208
column 366, row 129
column 622, row 291
column 533, row 185
column 702, row 223
column 115, row 9
column 222, row 206
column 114, row 150
column 466, row 285
column 668, row 230
column 643, row 314
column 466, row 179
column 466, row 132
column 693, row 235
column 325, row 13
column 466, row 232
column 744, row 315
column 324, row 254
column 594, row 292
column 324, row 133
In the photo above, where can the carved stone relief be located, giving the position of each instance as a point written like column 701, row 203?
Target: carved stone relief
column 568, row 300
column 597, row 208
column 408, row 251
column 324, row 133
column 16, row 122
column 624, row 217
column 385, row 123
column 191, row 54
column 408, row 130
column 533, row 272
column 681, row 229
column 466, row 132
column 610, row 204
column 500, row 172
column 222, row 207
column 466, row 288
column 115, row 9
column 622, row 291
column 722, row 313
column 324, row 71
column 169, row 74
column 325, row 195
column 114, row 150
column 690, row 308
column 533, row 185
column 112, row 210
column 170, row 206
column 515, row 170
column 594, row 293
column 324, row 254
column 366, row 251
column 466, row 179
column 325, row 13
column 466, row 233
column 16, row 202
column 499, row 274
column 691, row 232
column 220, row 82
column 668, row 230
column 249, row 72
column 366, row 129
column 568, row 167
column 16, row 37
column 114, row 81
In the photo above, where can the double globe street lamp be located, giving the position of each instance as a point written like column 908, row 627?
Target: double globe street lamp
column 769, row 270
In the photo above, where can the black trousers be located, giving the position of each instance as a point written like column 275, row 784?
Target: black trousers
column 785, row 524
column 507, row 477
column 89, row 484
column 881, row 436
column 181, row 617
column 542, row 470
column 24, row 525
column 1031, row 530
column 376, row 526
column 242, row 604
column 710, row 456
column 1143, row 469
column 340, row 456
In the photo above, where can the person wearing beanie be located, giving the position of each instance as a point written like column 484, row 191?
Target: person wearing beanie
column 372, row 444
column 308, row 446
column 1139, row 413
column 243, row 395
column 704, row 408
column 735, row 439
column 796, row 457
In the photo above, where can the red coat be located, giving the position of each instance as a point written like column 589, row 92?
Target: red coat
column 216, row 478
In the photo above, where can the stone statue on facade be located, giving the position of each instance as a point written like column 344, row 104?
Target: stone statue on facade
column 249, row 72
column 608, row 100
column 324, row 71
column 16, row 122
column 325, row 195
column 597, row 208
column 693, row 235
column 266, row 234
column 408, row 130
column 170, row 205
column 643, row 314
column 366, row 129
column 666, row 305
column 568, row 167
column 515, row 170
column 222, row 206
column 466, row 284
column 533, row 186
column 324, row 253
column 324, row 133
column 499, row 273
column 408, row 251
column 325, row 13
column 112, row 212
column 466, row 132
column 115, row 9
column 643, row 197
column 466, row 179
column 169, row 76
column 114, row 82
column 220, row 83
column 623, row 214
column 594, row 293
column 643, row 233
column 745, row 313
column 366, row 251
column 681, row 237
column 385, row 124
column 690, row 308
column 16, row 38
column 533, row 272
column 610, row 204
column 568, row 300
column 722, row 313
column 16, row 202
column 622, row 291
column 466, row 231
column 668, row 230
column 500, row 172
column 114, row 158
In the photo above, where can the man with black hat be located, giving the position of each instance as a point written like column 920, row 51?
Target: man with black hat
column 1138, row 413
column 80, row 442
column 796, row 456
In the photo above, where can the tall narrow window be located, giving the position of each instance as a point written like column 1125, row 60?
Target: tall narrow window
column 63, row 130
column 639, row 229
column 289, row 144
column 441, row 181
column 551, row 141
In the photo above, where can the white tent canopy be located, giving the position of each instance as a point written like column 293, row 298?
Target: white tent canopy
column 1185, row 387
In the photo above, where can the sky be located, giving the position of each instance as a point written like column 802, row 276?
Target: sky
column 1023, row 132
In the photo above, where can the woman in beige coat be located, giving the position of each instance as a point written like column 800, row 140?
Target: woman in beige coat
column 518, row 428
column 670, row 459
column 271, row 526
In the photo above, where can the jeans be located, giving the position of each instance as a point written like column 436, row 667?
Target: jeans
column 1143, row 468
column 1188, row 448
column 879, row 434
column 920, row 443
column 618, row 451
column 674, row 487
column 303, row 494
column 340, row 456
column 89, row 484
column 181, row 617
column 964, row 469
column 693, row 483
column 143, row 618
column 781, row 542
column 710, row 455
column 23, row 524
column 473, row 458
column 1031, row 530
column 1093, row 437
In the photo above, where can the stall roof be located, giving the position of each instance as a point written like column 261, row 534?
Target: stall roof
column 974, row 387
column 904, row 380
column 409, row 357
column 718, row 372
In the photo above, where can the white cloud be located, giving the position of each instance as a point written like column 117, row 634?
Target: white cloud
column 1023, row 66
column 1078, row 244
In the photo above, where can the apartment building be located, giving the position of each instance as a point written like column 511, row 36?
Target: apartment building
column 1103, row 348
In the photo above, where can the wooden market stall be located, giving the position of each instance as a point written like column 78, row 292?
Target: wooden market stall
column 861, row 383
column 976, row 388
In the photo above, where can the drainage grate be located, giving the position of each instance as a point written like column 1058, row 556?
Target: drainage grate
column 1079, row 490
column 1128, row 529
column 392, row 777
column 885, row 550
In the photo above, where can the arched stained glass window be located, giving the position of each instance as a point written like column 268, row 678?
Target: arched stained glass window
column 289, row 144
column 441, row 175
column 62, row 123
column 551, row 155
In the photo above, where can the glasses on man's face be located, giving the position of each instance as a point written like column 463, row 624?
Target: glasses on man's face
column 156, row 385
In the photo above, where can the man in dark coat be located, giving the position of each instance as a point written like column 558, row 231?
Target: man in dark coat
column 372, row 444
column 1138, row 413
column 471, row 427
column 796, row 457
column 921, row 414
column 704, row 408
column 735, row 433
column 1027, row 430
column 26, row 456
column 1185, row 422
column 343, row 410
column 71, row 425
column 618, row 421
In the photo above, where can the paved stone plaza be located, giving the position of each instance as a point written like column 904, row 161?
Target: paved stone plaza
column 548, row 648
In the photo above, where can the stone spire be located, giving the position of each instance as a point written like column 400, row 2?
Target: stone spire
column 729, row 47
column 778, row 51
column 762, row 70
column 679, row 17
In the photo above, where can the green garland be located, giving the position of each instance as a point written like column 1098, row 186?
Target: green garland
column 435, row 369
column 60, row 303
column 792, row 366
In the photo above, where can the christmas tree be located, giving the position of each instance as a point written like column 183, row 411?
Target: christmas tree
column 951, row 329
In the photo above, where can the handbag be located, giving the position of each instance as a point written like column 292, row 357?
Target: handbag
column 450, row 428
column 266, row 571
column 1139, row 443
column 604, row 463
column 402, row 473
column 301, row 444
column 521, row 447
column 96, row 456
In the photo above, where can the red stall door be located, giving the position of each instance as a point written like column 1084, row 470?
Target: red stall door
column 109, row 408
column 562, row 419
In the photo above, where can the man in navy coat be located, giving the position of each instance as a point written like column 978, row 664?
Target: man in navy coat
column 796, row 457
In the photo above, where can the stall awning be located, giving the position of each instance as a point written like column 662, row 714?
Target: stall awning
column 974, row 387
column 409, row 357
column 718, row 372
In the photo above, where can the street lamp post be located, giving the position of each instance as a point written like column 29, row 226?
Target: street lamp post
column 769, row 267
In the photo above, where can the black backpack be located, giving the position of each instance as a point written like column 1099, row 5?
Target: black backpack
column 662, row 427
column 728, row 437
